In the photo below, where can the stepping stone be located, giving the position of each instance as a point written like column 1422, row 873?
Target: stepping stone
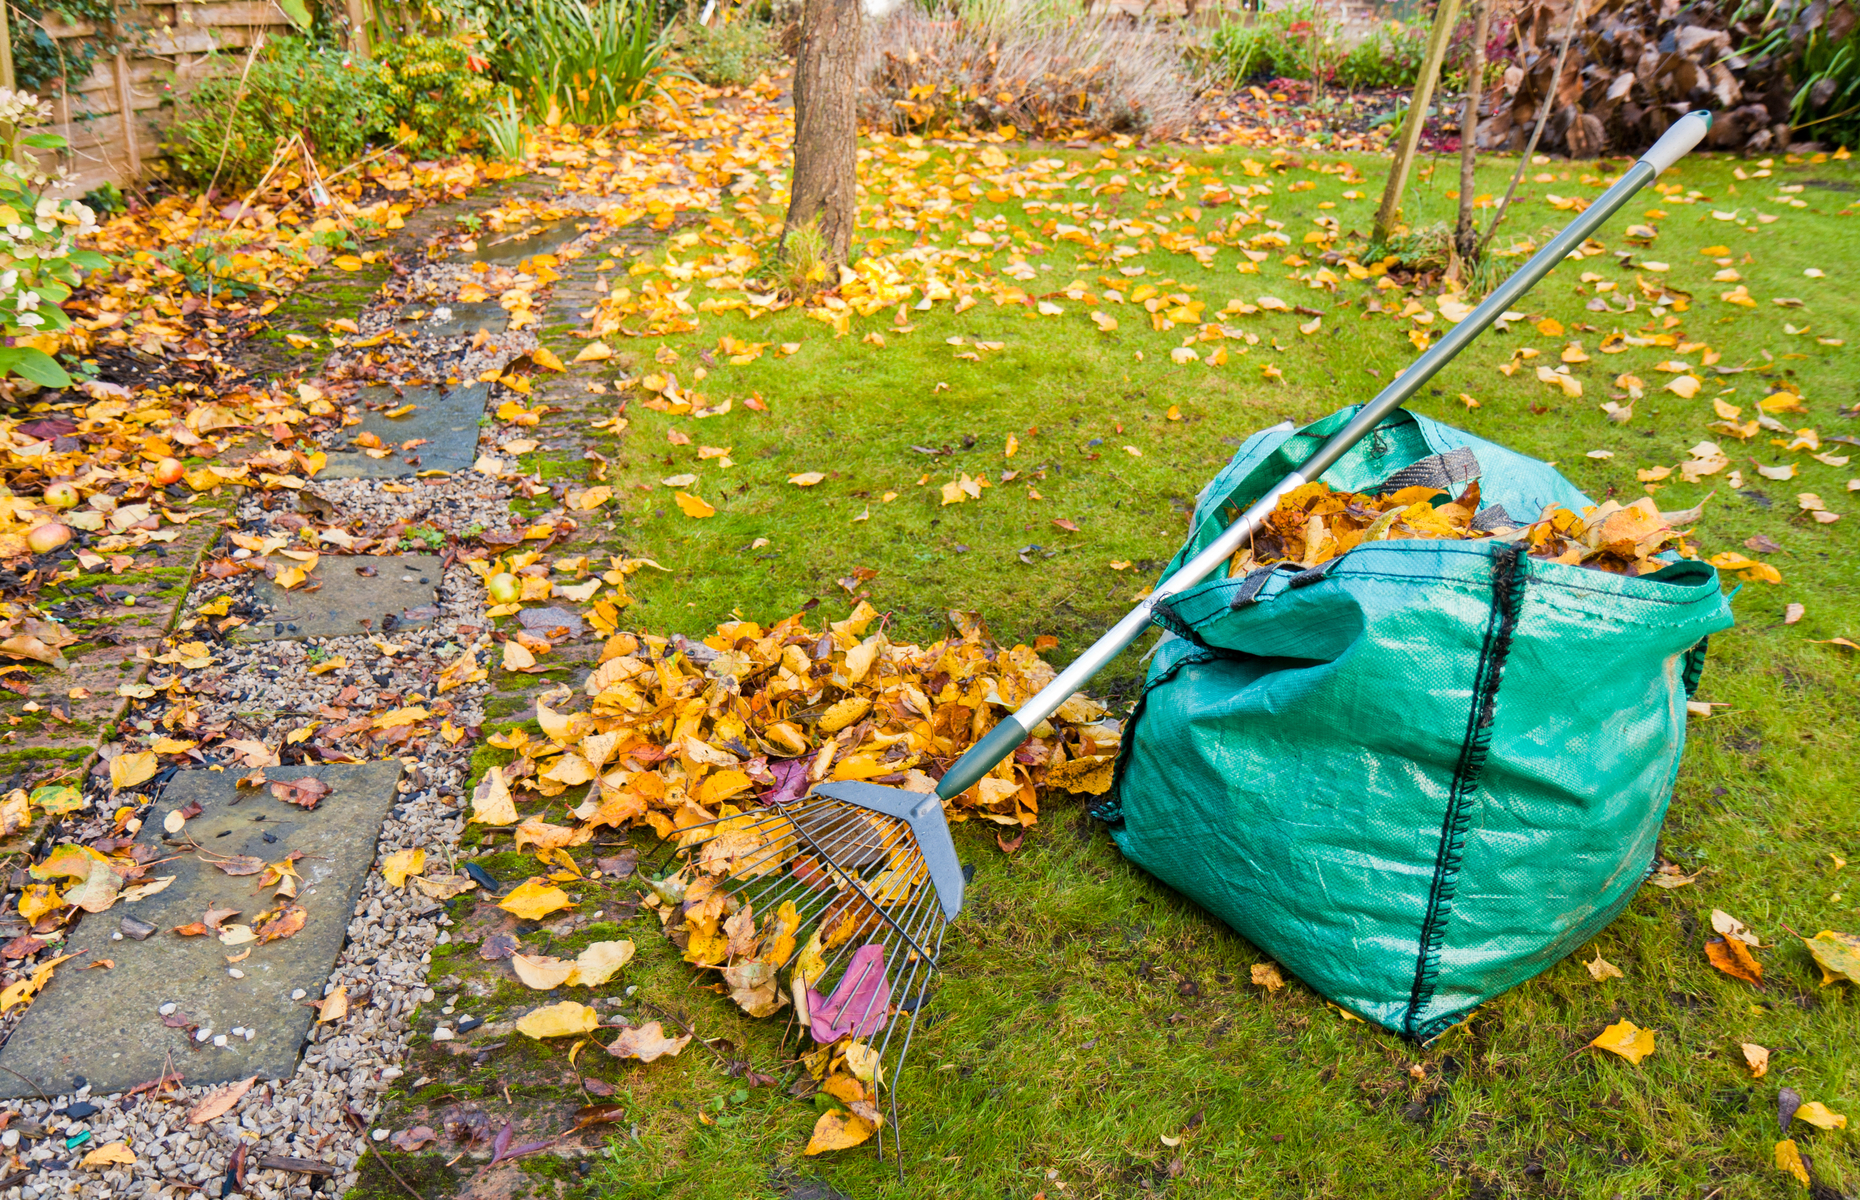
column 389, row 593
column 105, row 1024
column 446, row 424
column 513, row 246
column 454, row 320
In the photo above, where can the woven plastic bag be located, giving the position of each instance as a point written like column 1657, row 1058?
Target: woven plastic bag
column 1425, row 771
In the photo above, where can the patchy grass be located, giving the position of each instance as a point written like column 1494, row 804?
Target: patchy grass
column 1087, row 1012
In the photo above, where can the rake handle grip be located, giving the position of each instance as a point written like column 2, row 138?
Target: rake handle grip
column 1678, row 140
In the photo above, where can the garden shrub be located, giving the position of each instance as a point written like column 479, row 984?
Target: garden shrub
column 729, row 55
column 1390, row 57
column 295, row 86
column 1089, row 75
column 1305, row 41
column 438, row 89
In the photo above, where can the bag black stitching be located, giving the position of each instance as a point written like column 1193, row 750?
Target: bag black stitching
column 1508, row 579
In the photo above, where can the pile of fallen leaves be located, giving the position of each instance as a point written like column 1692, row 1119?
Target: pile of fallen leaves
column 1315, row 523
column 677, row 733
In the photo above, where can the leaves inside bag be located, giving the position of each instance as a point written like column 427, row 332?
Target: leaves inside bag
column 1315, row 523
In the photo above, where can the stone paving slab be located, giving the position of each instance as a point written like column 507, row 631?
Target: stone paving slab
column 388, row 592
column 506, row 249
column 446, row 424
column 105, row 1025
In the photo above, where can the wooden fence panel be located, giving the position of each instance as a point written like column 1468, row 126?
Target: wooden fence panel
column 116, row 117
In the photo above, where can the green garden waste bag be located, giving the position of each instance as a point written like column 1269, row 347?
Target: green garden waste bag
column 1424, row 771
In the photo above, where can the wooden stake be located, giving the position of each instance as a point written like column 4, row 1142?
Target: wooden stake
column 1465, row 232
column 127, row 99
column 1389, row 214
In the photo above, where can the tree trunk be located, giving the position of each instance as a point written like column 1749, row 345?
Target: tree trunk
column 1465, row 234
column 826, row 131
column 1389, row 214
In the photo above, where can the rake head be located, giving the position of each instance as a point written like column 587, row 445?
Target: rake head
column 836, row 901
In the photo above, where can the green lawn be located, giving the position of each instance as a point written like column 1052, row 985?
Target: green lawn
column 1087, row 1013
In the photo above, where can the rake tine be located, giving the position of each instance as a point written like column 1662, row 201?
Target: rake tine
column 883, row 915
column 898, row 1070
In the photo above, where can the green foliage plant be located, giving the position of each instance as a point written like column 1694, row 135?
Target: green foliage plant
column 39, row 259
column 594, row 61
column 436, row 89
column 729, row 53
column 232, row 129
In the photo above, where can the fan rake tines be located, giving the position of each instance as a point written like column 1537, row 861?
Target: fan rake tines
column 820, row 890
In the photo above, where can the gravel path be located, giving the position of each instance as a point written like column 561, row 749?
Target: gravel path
column 323, row 1112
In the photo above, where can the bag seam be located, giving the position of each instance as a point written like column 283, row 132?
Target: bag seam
column 1508, row 580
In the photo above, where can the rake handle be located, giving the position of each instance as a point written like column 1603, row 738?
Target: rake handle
column 1014, row 728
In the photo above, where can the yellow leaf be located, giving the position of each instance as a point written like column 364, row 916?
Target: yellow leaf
column 1550, row 327
column 1758, row 1059
column 1789, row 1159
column 844, row 713
column 534, row 899
column 1267, row 975
column 838, row 1130
column 597, row 963
column 1684, row 386
column 540, row 971
column 1600, row 969
column 1837, row 954
column 544, row 357
column 595, row 352
column 806, row 478
column 127, row 770
column 491, row 803
column 401, row 864
column 114, row 1154
column 1821, row 1116
column 1626, row 1039
column 692, row 506
column 517, row 656
column 39, row 899
column 348, row 262
column 558, row 1020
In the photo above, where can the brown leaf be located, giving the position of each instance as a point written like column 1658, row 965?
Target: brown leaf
column 410, row 1140
column 243, row 864
column 283, row 925
column 307, row 792
column 589, row 1115
column 219, row 1102
column 646, row 1043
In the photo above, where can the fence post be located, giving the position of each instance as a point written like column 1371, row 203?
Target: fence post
column 6, row 47
column 358, row 26
column 127, row 99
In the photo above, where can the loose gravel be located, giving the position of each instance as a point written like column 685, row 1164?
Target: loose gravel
column 325, row 1110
